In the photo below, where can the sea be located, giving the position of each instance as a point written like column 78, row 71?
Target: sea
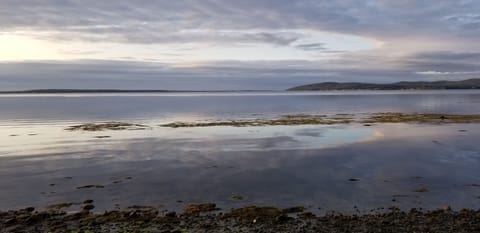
column 348, row 168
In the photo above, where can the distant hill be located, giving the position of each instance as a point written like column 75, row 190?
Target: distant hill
column 438, row 85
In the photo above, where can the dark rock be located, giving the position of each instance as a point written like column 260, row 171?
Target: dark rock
column 29, row 209
column 236, row 197
column 61, row 205
column 283, row 218
column 194, row 209
column 171, row 214
column 422, row 190
column 88, row 201
column 11, row 221
column 90, row 186
column 296, row 209
column 251, row 213
column 88, row 207
column 307, row 215
column 37, row 218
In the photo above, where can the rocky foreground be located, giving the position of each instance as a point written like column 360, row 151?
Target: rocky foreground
column 207, row 218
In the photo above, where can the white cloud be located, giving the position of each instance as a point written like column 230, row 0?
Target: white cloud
column 431, row 72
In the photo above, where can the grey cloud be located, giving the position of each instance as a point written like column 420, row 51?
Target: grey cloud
column 442, row 66
column 124, row 19
column 466, row 21
column 444, row 61
column 232, row 75
column 311, row 46
column 448, row 55
column 150, row 34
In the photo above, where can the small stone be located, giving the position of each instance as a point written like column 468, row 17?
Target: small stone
column 88, row 201
column 296, row 209
column 29, row 209
column 422, row 190
column 172, row 214
column 90, row 186
column 236, row 197
column 194, row 209
column 11, row 221
column 307, row 215
column 88, row 207
column 282, row 218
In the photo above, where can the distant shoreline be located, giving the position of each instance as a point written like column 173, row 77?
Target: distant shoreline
column 94, row 91
column 351, row 86
column 106, row 91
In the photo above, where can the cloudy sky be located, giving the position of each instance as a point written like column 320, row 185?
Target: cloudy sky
column 232, row 44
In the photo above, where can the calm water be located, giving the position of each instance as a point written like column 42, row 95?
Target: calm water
column 188, row 106
column 42, row 164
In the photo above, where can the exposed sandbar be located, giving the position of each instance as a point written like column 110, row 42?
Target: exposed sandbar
column 384, row 117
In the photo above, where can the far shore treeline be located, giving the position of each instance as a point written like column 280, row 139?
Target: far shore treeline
column 437, row 85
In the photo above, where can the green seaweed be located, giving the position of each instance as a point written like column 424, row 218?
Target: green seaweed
column 106, row 126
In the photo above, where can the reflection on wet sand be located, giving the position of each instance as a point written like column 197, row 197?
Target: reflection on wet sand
column 320, row 167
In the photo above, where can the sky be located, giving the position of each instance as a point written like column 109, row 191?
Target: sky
column 234, row 45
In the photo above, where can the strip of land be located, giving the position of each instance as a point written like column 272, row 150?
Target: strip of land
column 386, row 117
column 96, row 91
column 106, row 126
column 438, row 85
column 282, row 120
column 299, row 119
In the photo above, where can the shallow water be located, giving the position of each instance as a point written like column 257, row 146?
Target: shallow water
column 308, row 165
